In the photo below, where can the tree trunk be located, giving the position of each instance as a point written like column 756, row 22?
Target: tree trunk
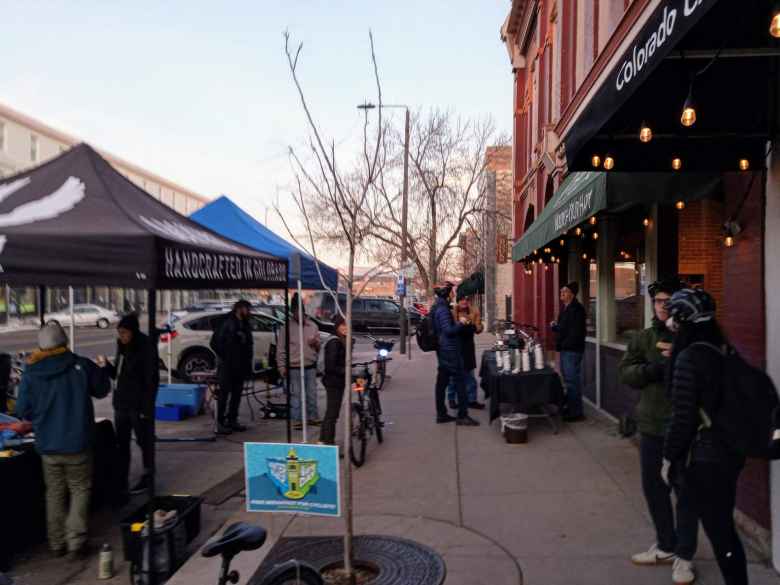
column 432, row 276
column 346, row 410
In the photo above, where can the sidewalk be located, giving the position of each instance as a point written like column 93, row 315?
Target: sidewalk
column 561, row 510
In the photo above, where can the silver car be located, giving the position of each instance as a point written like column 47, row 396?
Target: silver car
column 85, row 315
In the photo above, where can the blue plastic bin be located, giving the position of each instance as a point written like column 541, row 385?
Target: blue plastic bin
column 190, row 396
column 170, row 412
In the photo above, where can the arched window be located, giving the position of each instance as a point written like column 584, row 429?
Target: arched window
column 529, row 218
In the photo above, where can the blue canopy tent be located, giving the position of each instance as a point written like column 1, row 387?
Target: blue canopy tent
column 229, row 220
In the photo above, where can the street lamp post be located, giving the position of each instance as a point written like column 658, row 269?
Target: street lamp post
column 403, row 324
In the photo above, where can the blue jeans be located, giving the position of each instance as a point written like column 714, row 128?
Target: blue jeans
column 571, row 368
column 296, row 408
column 471, row 387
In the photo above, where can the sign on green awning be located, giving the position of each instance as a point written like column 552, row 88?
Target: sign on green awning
column 583, row 194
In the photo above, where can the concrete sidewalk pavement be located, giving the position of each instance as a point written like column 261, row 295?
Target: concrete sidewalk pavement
column 563, row 509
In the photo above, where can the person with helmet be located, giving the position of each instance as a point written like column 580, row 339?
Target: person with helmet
column 644, row 367
column 450, row 357
column 692, row 450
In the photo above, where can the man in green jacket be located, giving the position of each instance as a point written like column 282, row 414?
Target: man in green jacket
column 644, row 367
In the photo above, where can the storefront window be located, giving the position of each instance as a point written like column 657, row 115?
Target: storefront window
column 630, row 307
column 590, row 295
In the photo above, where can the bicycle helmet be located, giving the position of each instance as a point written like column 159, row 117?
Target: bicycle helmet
column 691, row 306
column 667, row 284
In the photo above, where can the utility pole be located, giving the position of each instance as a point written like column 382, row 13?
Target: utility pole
column 404, row 227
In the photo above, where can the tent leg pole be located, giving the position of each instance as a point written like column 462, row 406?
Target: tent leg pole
column 287, row 359
column 304, row 414
column 72, row 320
column 41, row 305
column 151, row 304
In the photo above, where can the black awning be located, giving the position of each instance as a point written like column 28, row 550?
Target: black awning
column 666, row 27
column 76, row 220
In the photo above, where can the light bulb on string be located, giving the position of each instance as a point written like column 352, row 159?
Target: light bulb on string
column 584, row 256
column 774, row 24
column 578, row 232
column 609, row 163
column 676, row 163
column 562, row 242
column 744, row 164
column 728, row 241
column 645, row 133
column 592, row 220
column 646, row 222
column 595, row 235
column 595, row 160
column 547, row 250
column 680, row 205
column 688, row 117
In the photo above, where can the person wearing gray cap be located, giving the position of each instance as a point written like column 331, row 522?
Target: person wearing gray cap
column 55, row 400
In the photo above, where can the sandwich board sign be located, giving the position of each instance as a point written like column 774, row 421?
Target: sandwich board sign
column 292, row 478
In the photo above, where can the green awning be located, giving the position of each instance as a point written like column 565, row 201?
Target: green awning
column 583, row 194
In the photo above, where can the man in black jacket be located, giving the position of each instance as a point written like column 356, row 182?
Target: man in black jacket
column 570, row 343
column 234, row 346
column 334, row 379
column 137, row 376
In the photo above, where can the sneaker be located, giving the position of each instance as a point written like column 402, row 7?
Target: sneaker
column 224, row 429
column 466, row 421
column 236, row 426
column 141, row 487
column 446, row 418
column 683, row 573
column 452, row 404
column 653, row 556
column 476, row 405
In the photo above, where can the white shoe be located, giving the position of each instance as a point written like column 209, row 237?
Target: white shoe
column 682, row 573
column 653, row 556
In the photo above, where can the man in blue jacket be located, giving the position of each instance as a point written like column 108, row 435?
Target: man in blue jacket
column 450, row 356
column 55, row 397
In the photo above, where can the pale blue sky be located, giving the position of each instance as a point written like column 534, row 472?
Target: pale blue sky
column 199, row 92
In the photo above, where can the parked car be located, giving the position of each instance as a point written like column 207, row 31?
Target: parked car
column 368, row 314
column 189, row 338
column 85, row 315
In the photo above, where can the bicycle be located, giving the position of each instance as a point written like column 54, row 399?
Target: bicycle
column 241, row 537
column 383, row 348
column 366, row 413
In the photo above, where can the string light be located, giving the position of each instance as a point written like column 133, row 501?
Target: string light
column 562, row 242
column 547, row 250
column 688, row 117
column 680, row 205
column 541, row 261
column 595, row 161
column 595, row 235
column 728, row 241
column 774, row 24
column 536, row 252
column 645, row 133
column 676, row 163
column 646, row 222
column 592, row 220
column 744, row 164
column 578, row 232
column 584, row 256
column 546, row 267
column 609, row 162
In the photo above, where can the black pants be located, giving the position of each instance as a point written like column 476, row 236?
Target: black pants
column 714, row 488
column 129, row 422
column 680, row 537
column 231, row 386
column 335, row 396
column 443, row 376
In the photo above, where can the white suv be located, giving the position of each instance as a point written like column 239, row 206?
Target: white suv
column 188, row 342
column 85, row 316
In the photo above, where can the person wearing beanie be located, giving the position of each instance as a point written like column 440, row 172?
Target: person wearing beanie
column 137, row 376
column 334, row 379
column 234, row 345
column 55, row 401
column 570, row 343
column 644, row 367
column 449, row 353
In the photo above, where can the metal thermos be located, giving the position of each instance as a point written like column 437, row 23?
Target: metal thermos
column 518, row 362
column 538, row 356
column 106, row 562
column 499, row 359
column 526, row 359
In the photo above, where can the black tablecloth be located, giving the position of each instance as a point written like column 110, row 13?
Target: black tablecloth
column 524, row 391
column 23, row 494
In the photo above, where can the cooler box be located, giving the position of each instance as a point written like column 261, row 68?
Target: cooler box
column 190, row 396
column 170, row 412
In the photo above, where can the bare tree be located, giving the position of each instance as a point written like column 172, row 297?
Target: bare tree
column 337, row 195
column 447, row 160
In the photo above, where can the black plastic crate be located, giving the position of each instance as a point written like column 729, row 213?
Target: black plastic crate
column 188, row 509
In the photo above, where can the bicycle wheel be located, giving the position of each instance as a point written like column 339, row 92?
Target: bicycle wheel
column 359, row 438
column 381, row 370
column 376, row 413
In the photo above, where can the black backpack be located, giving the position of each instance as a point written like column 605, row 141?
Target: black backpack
column 427, row 338
column 748, row 401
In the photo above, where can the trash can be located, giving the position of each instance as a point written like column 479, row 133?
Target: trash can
column 515, row 428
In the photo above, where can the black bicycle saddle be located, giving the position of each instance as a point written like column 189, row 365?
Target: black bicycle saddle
column 236, row 538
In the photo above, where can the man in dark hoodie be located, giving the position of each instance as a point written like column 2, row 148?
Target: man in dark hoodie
column 644, row 367
column 137, row 376
column 334, row 379
column 234, row 346
column 570, row 343
column 55, row 400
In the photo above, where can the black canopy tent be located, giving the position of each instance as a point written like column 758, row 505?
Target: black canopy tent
column 77, row 220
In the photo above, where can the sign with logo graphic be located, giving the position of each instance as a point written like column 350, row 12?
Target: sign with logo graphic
column 292, row 478
column 400, row 286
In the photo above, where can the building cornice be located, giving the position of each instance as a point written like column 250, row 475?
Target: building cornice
column 45, row 130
